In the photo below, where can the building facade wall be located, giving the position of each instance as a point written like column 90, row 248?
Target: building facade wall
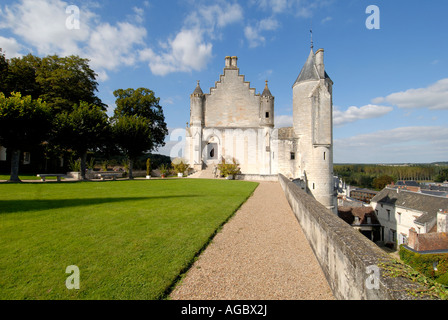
column 239, row 109
column 397, row 221
column 233, row 122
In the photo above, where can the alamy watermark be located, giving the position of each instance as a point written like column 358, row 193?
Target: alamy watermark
column 373, row 21
column 72, row 281
column 72, row 22
column 373, row 280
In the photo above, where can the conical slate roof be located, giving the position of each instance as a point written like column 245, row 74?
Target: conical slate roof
column 309, row 70
column 266, row 92
column 198, row 89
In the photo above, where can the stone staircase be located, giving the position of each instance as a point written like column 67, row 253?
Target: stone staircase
column 207, row 173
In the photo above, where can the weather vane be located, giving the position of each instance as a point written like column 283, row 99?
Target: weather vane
column 311, row 32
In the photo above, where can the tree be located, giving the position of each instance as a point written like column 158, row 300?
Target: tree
column 3, row 71
column 21, row 76
column 85, row 128
column 61, row 82
column 65, row 81
column 24, row 123
column 442, row 176
column 381, row 182
column 143, row 103
column 132, row 134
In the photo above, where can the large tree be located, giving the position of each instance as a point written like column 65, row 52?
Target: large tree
column 3, row 71
column 85, row 128
column 21, row 76
column 133, row 136
column 61, row 82
column 24, row 123
column 65, row 81
column 142, row 102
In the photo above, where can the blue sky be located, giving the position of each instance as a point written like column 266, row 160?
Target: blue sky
column 390, row 91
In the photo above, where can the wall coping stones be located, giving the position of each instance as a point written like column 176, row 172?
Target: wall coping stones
column 355, row 268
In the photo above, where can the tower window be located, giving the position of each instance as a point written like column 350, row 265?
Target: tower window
column 293, row 156
column 267, row 114
column 325, row 154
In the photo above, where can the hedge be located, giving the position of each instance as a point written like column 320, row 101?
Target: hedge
column 424, row 263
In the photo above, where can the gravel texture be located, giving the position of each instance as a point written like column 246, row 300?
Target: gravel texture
column 260, row 254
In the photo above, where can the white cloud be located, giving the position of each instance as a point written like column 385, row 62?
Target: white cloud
column 405, row 144
column 191, row 48
column 41, row 24
column 253, row 33
column 353, row 114
column 434, row 97
column 327, row 19
column 10, row 47
column 110, row 47
column 219, row 15
column 282, row 121
column 301, row 8
column 186, row 52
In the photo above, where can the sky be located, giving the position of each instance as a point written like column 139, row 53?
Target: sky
column 389, row 66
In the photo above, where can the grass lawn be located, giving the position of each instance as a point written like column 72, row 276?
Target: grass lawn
column 25, row 177
column 130, row 239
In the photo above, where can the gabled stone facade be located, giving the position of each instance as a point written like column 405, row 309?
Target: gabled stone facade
column 234, row 122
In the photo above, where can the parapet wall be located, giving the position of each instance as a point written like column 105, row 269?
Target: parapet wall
column 353, row 265
column 257, row 177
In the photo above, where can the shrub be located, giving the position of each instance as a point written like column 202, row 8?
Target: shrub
column 228, row 169
column 164, row 169
column 443, row 279
column 179, row 165
column 75, row 165
column 148, row 167
column 424, row 263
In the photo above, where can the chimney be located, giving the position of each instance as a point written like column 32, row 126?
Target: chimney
column 234, row 61
column 442, row 221
column 320, row 63
column 412, row 240
column 228, row 61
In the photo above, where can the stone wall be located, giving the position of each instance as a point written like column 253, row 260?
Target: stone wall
column 352, row 264
column 241, row 108
column 257, row 177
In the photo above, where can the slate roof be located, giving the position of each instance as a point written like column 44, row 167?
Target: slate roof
column 198, row 89
column 429, row 205
column 348, row 214
column 266, row 91
column 309, row 70
column 432, row 241
column 410, row 183
column 286, row 133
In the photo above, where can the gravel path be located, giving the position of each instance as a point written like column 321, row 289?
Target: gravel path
column 260, row 254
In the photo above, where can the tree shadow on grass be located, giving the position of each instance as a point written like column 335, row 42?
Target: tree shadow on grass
column 11, row 206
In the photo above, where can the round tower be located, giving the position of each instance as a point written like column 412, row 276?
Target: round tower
column 267, row 108
column 313, row 125
column 197, row 107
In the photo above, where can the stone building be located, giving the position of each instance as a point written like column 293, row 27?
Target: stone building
column 400, row 210
column 234, row 122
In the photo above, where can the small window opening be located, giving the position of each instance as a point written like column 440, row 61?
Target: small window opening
column 293, row 156
column 267, row 114
column 325, row 154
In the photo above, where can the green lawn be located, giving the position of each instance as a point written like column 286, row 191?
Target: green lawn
column 130, row 239
column 25, row 177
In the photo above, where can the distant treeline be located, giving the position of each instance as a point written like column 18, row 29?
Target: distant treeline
column 364, row 175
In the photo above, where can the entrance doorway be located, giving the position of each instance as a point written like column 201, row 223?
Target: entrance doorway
column 212, row 151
